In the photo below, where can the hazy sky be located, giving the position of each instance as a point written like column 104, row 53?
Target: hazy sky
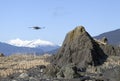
column 58, row 16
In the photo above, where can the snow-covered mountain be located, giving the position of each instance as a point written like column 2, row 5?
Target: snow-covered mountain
column 27, row 47
column 30, row 43
column 42, row 44
column 8, row 49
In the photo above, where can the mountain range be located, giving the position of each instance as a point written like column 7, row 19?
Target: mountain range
column 27, row 47
column 41, row 46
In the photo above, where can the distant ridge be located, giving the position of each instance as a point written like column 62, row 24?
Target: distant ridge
column 37, row 43
column 112, row 36
column 18, row 46
column 8, row 49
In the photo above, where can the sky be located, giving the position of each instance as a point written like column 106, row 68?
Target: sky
column 57, row 16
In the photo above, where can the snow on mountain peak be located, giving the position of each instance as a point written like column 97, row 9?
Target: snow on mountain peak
column 29, row 43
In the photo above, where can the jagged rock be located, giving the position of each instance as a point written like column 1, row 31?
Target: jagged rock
column 32, row 79
column 68, row 71
column 79, row 48
column 107, row 48
column 23, row 75
column 51, row 71
column 104, row 40
column 110, row 50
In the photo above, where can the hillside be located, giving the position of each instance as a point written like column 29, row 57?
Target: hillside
column 112, row 36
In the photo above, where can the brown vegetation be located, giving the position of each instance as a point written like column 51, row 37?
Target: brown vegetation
column 20, row 63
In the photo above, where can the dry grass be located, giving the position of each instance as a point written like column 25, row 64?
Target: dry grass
column 20, row 63
column 111, row 62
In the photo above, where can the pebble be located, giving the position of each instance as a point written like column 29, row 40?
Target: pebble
column 23, row 75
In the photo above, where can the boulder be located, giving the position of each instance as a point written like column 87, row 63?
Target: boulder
column 23, row 75
column 68, row 72
column 104, row 40
column 51, row 71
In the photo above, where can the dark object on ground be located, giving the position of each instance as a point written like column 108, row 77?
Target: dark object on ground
column 2, row 55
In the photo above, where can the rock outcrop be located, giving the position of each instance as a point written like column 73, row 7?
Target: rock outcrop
column 79, row 48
